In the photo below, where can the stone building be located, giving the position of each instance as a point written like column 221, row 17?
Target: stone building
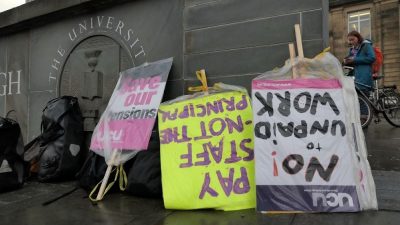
column 375, row 19
column 45, row 46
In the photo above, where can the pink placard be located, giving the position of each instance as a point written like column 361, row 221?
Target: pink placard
column 128, row 120
column 125, row 134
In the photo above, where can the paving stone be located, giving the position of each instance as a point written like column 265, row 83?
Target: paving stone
column 363, row 218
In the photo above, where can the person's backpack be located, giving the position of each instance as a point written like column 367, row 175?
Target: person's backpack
column 376, row 66
column 56, row 154
column 12, row 165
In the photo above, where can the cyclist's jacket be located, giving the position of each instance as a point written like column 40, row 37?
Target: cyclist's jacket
column 364, row 56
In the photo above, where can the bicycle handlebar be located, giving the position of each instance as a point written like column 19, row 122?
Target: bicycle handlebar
column 348, row 67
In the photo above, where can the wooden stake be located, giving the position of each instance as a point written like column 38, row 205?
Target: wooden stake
column 204, row 81
column 300, row 68
column 292, row 57
column 299, row 41
column 106, row 177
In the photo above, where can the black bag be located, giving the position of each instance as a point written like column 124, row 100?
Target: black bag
column 143, row 171
column 12, row 165
column 92, row 171
column 58, row 150
column 144, row 175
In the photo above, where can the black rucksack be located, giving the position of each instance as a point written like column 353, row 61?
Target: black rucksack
column 12, row 165
column 58, row 151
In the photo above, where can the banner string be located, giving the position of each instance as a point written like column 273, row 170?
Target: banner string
column 201, row 75
column 123, row 182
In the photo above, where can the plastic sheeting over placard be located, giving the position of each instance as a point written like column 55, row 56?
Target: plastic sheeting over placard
column 310, row 150
column 128, row 120
column 207, row 158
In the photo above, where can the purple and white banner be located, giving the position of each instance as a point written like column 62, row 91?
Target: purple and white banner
column 303, row 152
column 311, row 198
column 129, row 118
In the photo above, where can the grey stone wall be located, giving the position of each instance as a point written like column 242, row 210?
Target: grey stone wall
column 234, row 40
column 335, row 3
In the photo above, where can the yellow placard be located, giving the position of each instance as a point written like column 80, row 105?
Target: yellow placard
column 207, row 157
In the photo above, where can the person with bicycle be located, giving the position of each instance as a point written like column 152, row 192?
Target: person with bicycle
column 361, row 56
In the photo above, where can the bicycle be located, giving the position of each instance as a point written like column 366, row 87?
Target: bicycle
column 385, row 100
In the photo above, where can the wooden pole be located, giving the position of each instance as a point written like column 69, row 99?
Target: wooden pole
column 292, row 57
column 299, row 41
column 106, row 177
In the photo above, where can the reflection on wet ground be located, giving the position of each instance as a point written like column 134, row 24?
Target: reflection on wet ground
column 383, row 143
column 24, row 206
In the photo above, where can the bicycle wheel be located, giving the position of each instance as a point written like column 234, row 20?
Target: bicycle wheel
column 390, row 102
column 365, row 111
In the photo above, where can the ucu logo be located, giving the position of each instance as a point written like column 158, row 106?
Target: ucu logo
column 332, row 199
column 115, row 135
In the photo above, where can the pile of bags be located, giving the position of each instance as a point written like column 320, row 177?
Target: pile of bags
column 12, row 165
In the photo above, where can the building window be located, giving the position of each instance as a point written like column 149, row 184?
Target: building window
column 361, row 22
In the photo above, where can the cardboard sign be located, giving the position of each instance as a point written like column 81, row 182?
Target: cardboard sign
column 207, row 158
column 304, row 153
column 130, row 115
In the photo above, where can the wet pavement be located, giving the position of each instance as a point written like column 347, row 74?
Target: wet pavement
column 383, row 144
column 24, row 206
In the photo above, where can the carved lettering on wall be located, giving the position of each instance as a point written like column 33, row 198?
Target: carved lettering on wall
column 10, row 83
column 96, row 25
